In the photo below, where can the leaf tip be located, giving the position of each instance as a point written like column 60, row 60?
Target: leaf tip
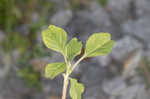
column 51, row 26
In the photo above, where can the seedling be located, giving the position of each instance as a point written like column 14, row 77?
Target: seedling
column 55, row 38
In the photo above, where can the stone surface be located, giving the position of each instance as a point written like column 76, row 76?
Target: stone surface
column 23, row 29
column 2, row 36
column 86, row 22
column 92, row 74
column 131, row 64
column 119, row 9
column 143, row 94
column 117, row 88
column 98, row 15
column 40, row 63
column 52, row 87
column 5, row 64
column 54, row 97
column 114, row 86
column 92, row 20
column 35, row 17
column 142, row 8
column 95, row 92
column 139, row 28
column 60, row 4
column 9, row 90
column 131, row 91
column 16, row 54
column 147, row 53
column 124, row 47
column 61, row 18
column 104, row 60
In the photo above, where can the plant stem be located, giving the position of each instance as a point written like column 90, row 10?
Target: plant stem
column 66, row 79
column 76, row 64
column 66, row 76
column 65, row 86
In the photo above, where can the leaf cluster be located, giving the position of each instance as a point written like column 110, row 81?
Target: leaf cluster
column 55, row 38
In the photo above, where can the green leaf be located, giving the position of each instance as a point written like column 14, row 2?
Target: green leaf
column 76, row 89
column 98, row 44
column 54, row 69
column 73, row 48
column 55, row 38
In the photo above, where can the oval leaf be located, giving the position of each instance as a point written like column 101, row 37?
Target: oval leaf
column 55, row 38
column 54, row 69
column 76, row 89
column 98, row 44
column 73, row 48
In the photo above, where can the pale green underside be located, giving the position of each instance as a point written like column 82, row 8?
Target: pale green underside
column 98, row 44
column 55, row 38
column 76, row 89
column 54, row 69
column 73, row 49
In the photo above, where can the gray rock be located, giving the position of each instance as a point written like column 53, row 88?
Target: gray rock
column 81, row 27
column 2, row 36
column 96, row 14
column 5, row 64
column 93, row 20
column 14, row 88
column 142, row 8
column 143, row 94
column 95, row 92
column 39, row 64
column 16, row 54
column 147, row 53
column 115, row 86
column 118, row 89
column 1, row 97
column 56, row 57
column 60, row 4
column 124, row 47
column 92, row 76
column 137, row 80
column 86, row 22
column 131, row 64
column 131, row 91
column 61, row 18
column 23, row 29
column 119, row 9
column 104, row 60
column 39, row 38
column 35, row 17
column 52, row 87
column 139, row 28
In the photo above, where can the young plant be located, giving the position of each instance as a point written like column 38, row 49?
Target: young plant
column 55, row 38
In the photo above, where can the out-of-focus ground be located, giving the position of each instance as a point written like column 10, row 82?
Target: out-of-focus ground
column 123, row 74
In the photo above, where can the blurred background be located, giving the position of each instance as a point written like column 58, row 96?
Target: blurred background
column 123, row 74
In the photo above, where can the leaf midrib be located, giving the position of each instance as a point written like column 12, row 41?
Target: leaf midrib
column 95, row 49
